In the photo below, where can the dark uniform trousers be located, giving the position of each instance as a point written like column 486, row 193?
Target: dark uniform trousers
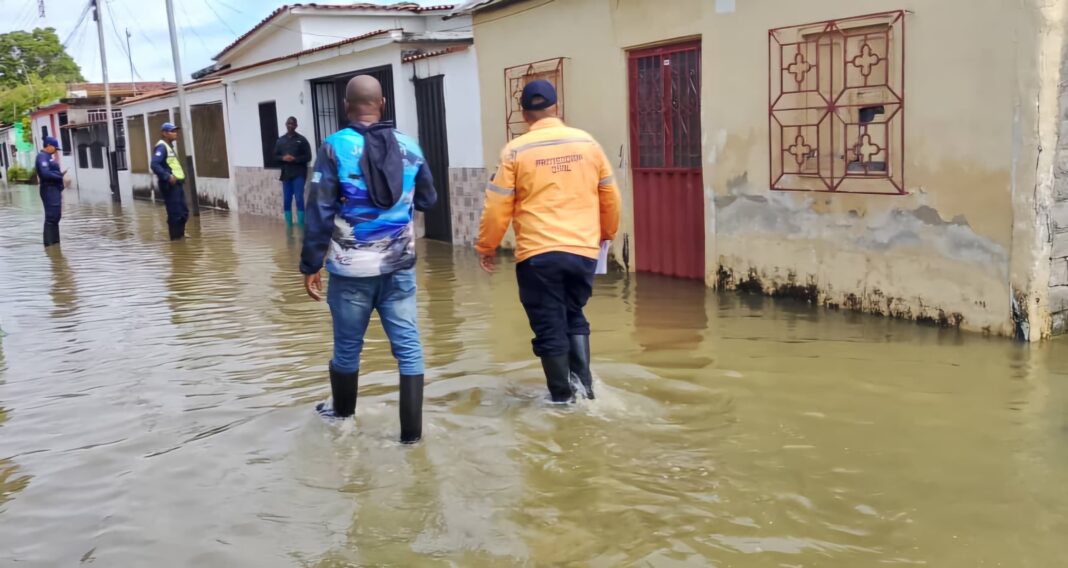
column 52, row 198
column 554, row 288
column 177, row 211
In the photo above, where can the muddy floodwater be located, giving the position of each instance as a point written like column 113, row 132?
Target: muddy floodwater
column 156, row 409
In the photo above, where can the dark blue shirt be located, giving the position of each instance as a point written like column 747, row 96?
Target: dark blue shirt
column 48, row 172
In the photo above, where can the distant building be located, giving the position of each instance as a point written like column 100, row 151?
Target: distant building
column 295, row 63
column 79, row 122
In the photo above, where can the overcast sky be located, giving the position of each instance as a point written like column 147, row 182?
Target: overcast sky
column 205, row 27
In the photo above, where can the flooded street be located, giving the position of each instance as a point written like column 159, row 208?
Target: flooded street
column 156, row 409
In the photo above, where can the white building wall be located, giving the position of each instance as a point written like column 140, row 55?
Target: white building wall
column 463, row 117
column 214, row 189
column 288, row 84
column 290, row 89
column 440, row 24
column 278, row 40
column 463, row 108
column 319, row 30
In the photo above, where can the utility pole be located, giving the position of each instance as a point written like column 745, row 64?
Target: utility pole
column 113, row 174
column 133, row 80
column 187, row 123
column 40, row 8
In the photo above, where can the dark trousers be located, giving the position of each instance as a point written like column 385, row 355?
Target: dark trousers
column 52, row 198
column 554, row 288
column 177, row 212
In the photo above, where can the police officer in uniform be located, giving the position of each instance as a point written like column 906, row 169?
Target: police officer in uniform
column 169, row 172
column 51, row 179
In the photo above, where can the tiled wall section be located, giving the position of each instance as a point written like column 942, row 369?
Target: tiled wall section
column 467, row 192
column 258, row 191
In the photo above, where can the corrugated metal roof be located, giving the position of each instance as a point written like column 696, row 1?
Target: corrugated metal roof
column 473, row 6
column 434, row 53
column 399, row 7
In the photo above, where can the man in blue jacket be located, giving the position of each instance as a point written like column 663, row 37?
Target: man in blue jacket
column 168, row 169
column 369, row 180
column 51, row 180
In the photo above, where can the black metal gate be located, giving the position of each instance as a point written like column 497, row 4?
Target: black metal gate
column 328, row 100
column 434, row 139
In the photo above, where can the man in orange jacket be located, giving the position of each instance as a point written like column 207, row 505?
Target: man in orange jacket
column 555, row 185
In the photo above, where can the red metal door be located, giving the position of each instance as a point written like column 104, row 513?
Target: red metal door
column 665, row 142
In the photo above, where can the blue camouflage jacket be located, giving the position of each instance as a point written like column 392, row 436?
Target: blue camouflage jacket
column 343, row 227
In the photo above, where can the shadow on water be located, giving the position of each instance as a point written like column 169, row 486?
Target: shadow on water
column 155, row 402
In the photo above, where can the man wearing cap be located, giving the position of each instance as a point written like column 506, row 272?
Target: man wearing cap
column 169, row 172
column 51, row 180
column 556, row 185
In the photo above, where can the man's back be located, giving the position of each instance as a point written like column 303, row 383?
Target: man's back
column 559, row 185
column 365, row 239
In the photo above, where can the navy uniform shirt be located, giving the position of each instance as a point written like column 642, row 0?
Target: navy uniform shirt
column 48, row 172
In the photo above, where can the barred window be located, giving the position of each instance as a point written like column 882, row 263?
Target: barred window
column 837, row 104
column 551, row 70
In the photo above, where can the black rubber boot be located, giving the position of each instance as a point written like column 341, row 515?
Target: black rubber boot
column 411, row 408
column 51, row 234
column 558, row 378
column 343, row 390
column 579, row 358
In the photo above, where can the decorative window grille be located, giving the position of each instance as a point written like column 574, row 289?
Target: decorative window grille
column 515, row 78
column 837, row 105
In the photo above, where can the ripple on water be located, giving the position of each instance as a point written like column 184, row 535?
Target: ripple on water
column 156, row 402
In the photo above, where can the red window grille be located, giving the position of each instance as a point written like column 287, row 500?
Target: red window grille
column 836, row 92
column 515, row 78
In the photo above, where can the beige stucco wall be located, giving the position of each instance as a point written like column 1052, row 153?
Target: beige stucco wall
column 981, row 100
column 595, row 73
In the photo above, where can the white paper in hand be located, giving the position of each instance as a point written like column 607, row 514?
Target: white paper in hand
column 602, row 259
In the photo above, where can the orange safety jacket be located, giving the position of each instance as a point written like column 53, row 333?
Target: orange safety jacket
column 556, row 184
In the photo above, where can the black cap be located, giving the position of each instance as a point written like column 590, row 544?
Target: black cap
column 535, row 89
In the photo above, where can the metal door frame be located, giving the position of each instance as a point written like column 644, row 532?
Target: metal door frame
column 687, row 260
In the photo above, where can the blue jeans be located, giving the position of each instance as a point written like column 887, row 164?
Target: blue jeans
column 351, row 301
column 293, row 188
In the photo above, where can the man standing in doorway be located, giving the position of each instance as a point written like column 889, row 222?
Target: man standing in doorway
column 369, row 180
column 556, row 184
column 169, row 173
column 51, row 181
column 293, row 152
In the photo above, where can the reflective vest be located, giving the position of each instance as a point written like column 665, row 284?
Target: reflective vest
column 172, row 161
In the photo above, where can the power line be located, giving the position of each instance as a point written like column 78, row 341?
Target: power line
column 122, row 47
column 137, row 24
column 225, row 5
column 193, row 28
column 81, row 21
column 221, row 20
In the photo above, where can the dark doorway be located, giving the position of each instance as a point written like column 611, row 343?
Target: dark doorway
column 328, row 100
column 269, row 133
column 433, row 137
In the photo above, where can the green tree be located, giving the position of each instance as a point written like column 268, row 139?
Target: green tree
column 34, row 92
column 38, row 53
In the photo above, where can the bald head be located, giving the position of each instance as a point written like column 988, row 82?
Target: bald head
column 364, row 100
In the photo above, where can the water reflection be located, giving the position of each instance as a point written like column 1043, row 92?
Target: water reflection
column 155, row 403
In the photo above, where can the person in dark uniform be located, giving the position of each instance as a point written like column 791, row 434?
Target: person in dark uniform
column 51, row 179
column 293, row 152
column 169, row 172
